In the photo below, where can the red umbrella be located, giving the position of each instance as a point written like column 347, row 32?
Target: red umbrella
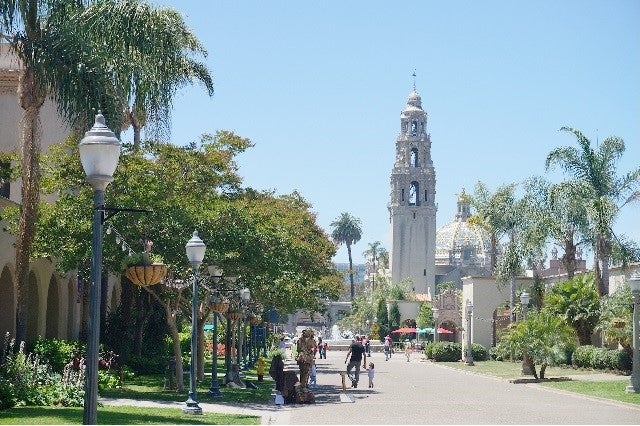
column 405, row 330
column 444, row 331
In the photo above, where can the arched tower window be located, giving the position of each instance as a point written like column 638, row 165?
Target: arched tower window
column 414, row 128
column 413, row 161
column 414, row 194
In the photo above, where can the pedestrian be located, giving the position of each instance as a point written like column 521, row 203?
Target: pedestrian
column 313, row 375
column 387, row 348
column 407, row 350
column 325, row 346
column 367, row 346
column 358, row 355
column 371, row 372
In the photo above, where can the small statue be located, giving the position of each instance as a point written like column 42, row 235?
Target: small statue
column 305, row 356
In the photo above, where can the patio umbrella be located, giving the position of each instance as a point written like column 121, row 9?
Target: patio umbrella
column 405, row 330
column 444, row 331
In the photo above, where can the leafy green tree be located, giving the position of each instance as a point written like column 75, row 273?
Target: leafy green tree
column 541, row 336
column 502, row 213
column 273, row 243
column 559, row 214
column 394, row 315
column 576, row 301
column 347, row 230
column 84, row 55
column 425, row 316
column 594, row 178
column 382, row 317
column 617, row 319
column 374, row 255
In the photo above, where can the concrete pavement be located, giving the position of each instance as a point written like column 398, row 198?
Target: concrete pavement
column 421, row 392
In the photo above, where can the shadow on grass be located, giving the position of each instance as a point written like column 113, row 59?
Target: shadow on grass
column 118, row 415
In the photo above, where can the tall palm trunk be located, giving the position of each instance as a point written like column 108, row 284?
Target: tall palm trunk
column 601, row 264
column 569, row 256
column 353, row 288
column 31, row 99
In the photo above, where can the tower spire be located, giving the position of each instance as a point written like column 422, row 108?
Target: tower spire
column 414, row 79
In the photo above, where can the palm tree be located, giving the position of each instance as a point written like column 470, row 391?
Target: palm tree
column 374, row 253
column 85, row 55
column 594, row 175
column 347, row 230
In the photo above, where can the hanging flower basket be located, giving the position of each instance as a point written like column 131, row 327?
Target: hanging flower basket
column 255, row 320
column 618, row 323
column 145, row 275
column 234, row 315
column 220, row 307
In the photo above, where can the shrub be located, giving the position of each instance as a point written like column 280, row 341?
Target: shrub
column 56, row 353
column 600, row 358
column 502, row 352
column 619, row 359
column 428, row 350
column 143, row 365
column 447, row 351
column 26, row 380
column 479, row 352
column 583, row 356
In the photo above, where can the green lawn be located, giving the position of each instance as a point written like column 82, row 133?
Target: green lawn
column 119, row 416
column 151, row 388
column 608, row 389
column 512, row 370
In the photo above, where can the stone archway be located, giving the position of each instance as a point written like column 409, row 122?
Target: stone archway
column 53, row 311
column 33, row 307
column 72, row 312
column 7, row 296
column 449, row 318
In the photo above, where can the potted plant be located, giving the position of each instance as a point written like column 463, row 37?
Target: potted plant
column 144, row 268
column 219, row 305
column 234, row 314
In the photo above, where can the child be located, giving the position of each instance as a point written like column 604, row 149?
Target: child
column 312, row 375
column 371, row 373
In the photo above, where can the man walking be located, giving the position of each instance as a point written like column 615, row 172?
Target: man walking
column 358, row 355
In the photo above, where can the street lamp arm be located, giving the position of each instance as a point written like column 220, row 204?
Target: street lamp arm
column 112, row 211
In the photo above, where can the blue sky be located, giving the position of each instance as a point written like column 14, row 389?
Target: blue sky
column 319, row 86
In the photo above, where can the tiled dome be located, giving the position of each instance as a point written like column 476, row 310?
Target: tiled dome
column 459, row 243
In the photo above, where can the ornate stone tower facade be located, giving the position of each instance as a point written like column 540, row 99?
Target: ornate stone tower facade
column 412, row 209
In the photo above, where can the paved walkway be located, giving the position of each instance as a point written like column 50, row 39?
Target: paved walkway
column 421, row 392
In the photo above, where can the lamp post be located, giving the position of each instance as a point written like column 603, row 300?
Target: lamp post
column 435, row 324
column 99, row 155
column 214, row 390
column 373, row 274
column 634, row 380
column 468, row 359
column 195, row 253
column 524, row 302
column 245, row 296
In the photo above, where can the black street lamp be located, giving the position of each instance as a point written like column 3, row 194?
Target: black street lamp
column 634, row 380
column 214, row 390
column 245, row 296
column 99, row 155
column 436, row 311
column 195, row 253
column 524, row 302
column 468, row 358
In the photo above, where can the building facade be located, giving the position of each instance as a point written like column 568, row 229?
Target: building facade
column 412, row 208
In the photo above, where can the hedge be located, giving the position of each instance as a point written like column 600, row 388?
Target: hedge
column 589, row 356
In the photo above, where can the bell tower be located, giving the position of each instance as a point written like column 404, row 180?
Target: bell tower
column 412, row 208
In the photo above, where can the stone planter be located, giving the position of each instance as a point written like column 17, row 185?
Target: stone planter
column 145, row 275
